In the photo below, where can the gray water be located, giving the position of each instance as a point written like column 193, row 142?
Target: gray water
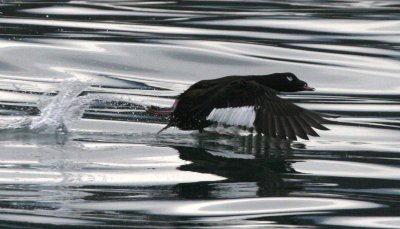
column 79, row 149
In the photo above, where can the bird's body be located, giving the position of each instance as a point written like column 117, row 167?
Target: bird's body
column 249, row 102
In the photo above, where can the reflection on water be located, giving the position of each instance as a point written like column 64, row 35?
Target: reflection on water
column 78, row 147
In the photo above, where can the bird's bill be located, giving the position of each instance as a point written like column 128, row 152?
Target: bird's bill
column 307, row 88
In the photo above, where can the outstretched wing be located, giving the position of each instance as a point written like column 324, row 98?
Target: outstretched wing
column 256, row 107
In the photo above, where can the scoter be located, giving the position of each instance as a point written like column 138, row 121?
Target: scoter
column 248, row 102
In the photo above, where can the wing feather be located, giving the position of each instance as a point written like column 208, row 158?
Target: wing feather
column 288, row 127
column 274, row 116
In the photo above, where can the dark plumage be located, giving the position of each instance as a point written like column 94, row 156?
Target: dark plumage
column 250, row 102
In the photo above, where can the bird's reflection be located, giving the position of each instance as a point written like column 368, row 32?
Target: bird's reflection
column 247, row 162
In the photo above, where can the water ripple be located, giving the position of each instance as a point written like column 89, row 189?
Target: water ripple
column 79, row 149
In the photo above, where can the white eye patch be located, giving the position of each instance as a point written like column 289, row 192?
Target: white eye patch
column 290, row 78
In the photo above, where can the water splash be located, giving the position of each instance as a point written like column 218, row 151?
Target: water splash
column 66, row 107
column 15, row 123
column 56, row 112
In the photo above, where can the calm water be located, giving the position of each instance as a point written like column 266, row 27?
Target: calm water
column 78, row 149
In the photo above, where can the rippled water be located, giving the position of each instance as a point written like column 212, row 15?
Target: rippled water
column 78, row 148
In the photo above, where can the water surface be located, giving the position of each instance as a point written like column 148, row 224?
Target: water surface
column 79, row 149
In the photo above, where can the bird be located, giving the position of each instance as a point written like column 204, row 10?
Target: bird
column 248, row 102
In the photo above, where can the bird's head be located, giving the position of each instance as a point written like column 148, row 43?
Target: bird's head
column 288, row 82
